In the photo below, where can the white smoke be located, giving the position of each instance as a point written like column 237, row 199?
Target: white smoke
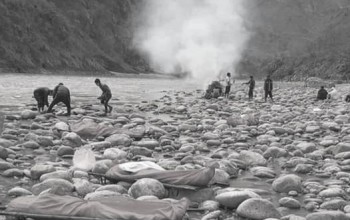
column 202, row 37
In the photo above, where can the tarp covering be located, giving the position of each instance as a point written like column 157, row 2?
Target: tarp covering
column 108, row 208
column 200, row 177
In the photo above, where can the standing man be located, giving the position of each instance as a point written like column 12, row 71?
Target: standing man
column 61, row 94
column 106, row 95
column 228, row 84
column 251, row 84
column 41, row 96
column 268, row 86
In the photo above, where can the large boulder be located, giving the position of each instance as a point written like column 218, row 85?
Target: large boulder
column 141, row 151
column 31, row 145
column 45, row 141
column 287, row 183
column 59, row 185
column 37, row 170
column 234, row 198
column 61, row 126
column 3, row 153
column 147, row 187
column 327, row 215
column 289, row 203
column 64, row 151
column 72, row 139
column 306, row 147
column 82, row 186
column 114, row 154
column 27, row 114
column 18, row 191
column 4, row 165
column 257, row 209
column 119, row 140
column 149, row 144
column 5, row 143
column 102, row 166
column 252, row 158
column 59, row 174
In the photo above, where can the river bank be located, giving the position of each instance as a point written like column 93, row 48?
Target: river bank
column 289, row 157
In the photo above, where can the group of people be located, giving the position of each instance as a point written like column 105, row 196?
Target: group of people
column 268, row 86
column 323, row 94
column 62, row 94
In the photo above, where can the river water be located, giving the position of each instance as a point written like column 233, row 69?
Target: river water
column 16, row 90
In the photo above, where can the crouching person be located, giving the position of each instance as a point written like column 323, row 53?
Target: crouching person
column 322, row 94
column 347, row 99
column 41, row 95
column 61, row 94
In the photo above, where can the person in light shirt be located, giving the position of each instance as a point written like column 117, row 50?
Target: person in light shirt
column 228, row 83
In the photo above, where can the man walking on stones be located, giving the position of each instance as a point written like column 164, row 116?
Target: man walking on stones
column 61, row 94
column 106, row 95
column 268, row 86
column 251, row 84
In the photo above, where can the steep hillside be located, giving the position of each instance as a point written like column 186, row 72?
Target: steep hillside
column 290, row 39
column 64, row 34
column 299, row 38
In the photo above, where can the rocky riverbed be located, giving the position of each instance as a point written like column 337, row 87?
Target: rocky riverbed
column 285, row 160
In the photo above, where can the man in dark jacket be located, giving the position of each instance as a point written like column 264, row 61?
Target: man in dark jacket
column 41, row 96
column 268, row 86
column 322, row 94
column 61, row 94
column 251, row 84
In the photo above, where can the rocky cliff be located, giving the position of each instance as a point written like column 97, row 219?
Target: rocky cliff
column 293, row 39
column 78, row 35
column 290, row 39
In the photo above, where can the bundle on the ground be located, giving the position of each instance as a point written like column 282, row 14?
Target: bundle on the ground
column 200, row 177
column 106, row 208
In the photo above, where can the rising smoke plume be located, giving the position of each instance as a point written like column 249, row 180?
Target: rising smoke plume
column 200, row 37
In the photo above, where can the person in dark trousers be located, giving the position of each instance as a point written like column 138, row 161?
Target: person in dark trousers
column 251, row 84
column 268, row 86
column 41, row 95
column 347, row 99
column 106, row 95
column 228, row 84
column 61, row 94
column 322, row 94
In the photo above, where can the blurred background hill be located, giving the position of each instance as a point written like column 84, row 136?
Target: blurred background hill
column 299, row 38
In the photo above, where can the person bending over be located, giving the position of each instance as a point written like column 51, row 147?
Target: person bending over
column 41, row 95
column 106, row 95
column 322, row 94
column 61, row 94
